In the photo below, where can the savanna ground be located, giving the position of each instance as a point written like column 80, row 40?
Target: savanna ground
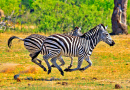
column 111, row 65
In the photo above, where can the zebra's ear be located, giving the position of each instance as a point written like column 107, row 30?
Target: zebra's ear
column 80, row 28
column 106, row 27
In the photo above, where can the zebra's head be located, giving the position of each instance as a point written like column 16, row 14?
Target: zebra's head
column 105, row 36
column 77, row 29
column 77, row 32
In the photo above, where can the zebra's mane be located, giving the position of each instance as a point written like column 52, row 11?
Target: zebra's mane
column 103, row 25
column 92, row 32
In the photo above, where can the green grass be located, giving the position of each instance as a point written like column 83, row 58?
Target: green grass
column 111, row 65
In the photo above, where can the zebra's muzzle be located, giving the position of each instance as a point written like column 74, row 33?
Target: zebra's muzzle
column 112, row 43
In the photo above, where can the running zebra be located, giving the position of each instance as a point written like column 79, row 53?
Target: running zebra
column 33, row 43
column 81, row 47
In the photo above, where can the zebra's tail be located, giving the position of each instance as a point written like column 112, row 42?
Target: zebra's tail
column 10, row 40
column 37, row 53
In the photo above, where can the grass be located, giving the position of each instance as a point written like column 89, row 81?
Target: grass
column 111, row 65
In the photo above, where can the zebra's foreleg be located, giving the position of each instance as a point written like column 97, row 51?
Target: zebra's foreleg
column 53, row 60
column 80, row 60
column 46, row 57
column 61, row 60
column 70, row 64
column 90, row 64
column 39, row 64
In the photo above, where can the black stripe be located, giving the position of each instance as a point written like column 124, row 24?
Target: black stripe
column 35, row 40
column 91, row 44
column 51, row 44
column 31, row 46
column 51, row 47
column 73, row 47
column 56, row 42
column 31, row 42
column 69, row 36
column 67, row 41
column 62, row 40
column 39, row 39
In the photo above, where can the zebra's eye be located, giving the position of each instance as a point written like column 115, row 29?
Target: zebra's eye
column 107, row 34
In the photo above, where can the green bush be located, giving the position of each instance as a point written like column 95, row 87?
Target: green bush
column 51, row 16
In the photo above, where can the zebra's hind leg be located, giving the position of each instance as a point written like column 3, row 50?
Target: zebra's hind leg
column 46, row 57
column 39, row 64
column 36, row 59
column 53, row 60
column 39, row 61
column 90, row 64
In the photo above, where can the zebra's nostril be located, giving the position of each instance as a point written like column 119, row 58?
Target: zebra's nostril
column 112, row 43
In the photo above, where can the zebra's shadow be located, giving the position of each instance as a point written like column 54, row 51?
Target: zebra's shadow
column 43, row 79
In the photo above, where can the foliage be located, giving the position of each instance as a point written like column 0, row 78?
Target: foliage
column 128, row 16
column 61, row 15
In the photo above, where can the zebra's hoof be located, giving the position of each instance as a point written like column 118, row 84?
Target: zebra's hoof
column 81, row 69
column 69, row 66
column 67, row 70
column 40, row 62
column 49, row 71
column 52, row 65
column 62, row 73
column 45, row 69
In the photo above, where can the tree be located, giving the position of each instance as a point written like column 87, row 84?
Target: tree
column 119, row 25
column 1, row 14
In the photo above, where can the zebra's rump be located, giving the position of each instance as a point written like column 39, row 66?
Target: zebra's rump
column 33, row 42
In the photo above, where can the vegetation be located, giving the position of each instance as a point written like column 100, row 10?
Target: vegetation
column 111, row 65
column 51, row 16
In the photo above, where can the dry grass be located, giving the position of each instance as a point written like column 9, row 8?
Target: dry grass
column 111, row 65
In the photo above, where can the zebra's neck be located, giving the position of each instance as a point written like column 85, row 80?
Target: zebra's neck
column 93, row 36
column 94, row 42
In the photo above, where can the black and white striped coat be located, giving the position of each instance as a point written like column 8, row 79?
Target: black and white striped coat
column 81, row 47
column 33, row 43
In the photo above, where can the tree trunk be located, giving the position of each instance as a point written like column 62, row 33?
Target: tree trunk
column 1, row 14
column 119, row 25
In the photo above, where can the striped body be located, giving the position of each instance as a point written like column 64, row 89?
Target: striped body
column 81, row 47
column 72, row 45
column 68, row 45
column 34, row 42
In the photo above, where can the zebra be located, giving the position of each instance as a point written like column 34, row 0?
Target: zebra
column 65, row 45
column 33, row 43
